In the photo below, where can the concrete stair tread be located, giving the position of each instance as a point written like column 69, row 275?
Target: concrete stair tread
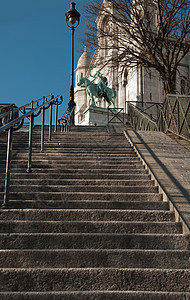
column 93, row 258
column 126, row 155
column 92, row 161
column 76, row 176
column 94, row 167
column 86, row 234
column 124, row 251
column 80, row 171
column 88, row 193
column 96, row 269
column 85, row 214
column 86, row 279
column 81, row 181
column 97, row 294
column 43, row 196
column 83, row 188
column 14, row 226
column 94, row 240
column 75, row 204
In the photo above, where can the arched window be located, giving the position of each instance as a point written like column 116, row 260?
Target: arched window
column 105, row 35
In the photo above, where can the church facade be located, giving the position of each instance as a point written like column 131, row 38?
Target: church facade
column 137, row 84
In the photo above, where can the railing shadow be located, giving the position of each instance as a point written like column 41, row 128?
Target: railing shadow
column 184, row 192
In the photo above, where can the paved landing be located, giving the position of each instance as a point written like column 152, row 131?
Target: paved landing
column 170, row 164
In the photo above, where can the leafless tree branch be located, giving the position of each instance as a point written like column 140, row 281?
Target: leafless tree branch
column 153, row 33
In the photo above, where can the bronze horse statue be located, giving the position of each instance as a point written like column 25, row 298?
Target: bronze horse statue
column 93, row 90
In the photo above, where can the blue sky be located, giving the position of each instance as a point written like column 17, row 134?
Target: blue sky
column 35, row 49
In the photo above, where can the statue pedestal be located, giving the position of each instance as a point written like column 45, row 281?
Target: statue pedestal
column 95, row 116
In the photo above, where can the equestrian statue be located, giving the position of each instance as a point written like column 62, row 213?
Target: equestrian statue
column 99, row 90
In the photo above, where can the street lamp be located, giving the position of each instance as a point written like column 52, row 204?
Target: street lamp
column 72, row 20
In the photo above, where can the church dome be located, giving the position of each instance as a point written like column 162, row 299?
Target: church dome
column 84, row 60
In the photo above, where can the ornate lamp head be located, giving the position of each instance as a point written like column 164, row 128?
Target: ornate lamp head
column 72, row 16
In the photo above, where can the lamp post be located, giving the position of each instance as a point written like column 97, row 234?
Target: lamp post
column 72, row 20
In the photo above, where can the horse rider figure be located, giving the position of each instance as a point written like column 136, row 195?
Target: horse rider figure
column 101, row 85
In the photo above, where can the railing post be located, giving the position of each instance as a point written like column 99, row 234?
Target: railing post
column 50, row 122
column 42, row 126
column 178, row 115
column 50, row 118
column 30, row 140
column 61, row 126
column 30, row 143
column 56, row 115
column 8, row 164
column 66, row 126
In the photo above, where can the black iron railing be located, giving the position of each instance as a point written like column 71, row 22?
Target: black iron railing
column 27, row 112
column 116, row 116
column 4, row 108
column 66, row 120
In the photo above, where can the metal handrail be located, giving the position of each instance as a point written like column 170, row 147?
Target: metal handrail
column 144, row 122
column 5, row 112
column 172, row 116
column 65, row 121
column 27, row 105
column 5, row 106
column 149, row 105
column 18, row 122
column 15, row 121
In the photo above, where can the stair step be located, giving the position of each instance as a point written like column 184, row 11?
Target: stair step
column 87, row 215
column 76, row 174
column 77, row 157
column 88, row 128
column 80, row 182
column 58, row 160
column 93, row 241
column 69, row 159
column 84, row 166
column 100, row 145
column 132, row 205
column 83, row 188
column 98, row 295
column 94, row 258
column 94, row 279
column 67, row 196
column 90, row 171
column 21, row 226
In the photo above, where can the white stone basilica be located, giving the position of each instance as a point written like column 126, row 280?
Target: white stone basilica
column 135, row 84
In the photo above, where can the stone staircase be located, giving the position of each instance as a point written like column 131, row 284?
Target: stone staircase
column 87, row 223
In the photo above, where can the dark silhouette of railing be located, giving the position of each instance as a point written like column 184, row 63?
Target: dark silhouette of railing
column 4, row 108
column 30, row 112
column 116, row 116
column 66, row 120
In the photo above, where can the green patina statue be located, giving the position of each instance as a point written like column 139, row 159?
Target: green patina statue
column 99, row 90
